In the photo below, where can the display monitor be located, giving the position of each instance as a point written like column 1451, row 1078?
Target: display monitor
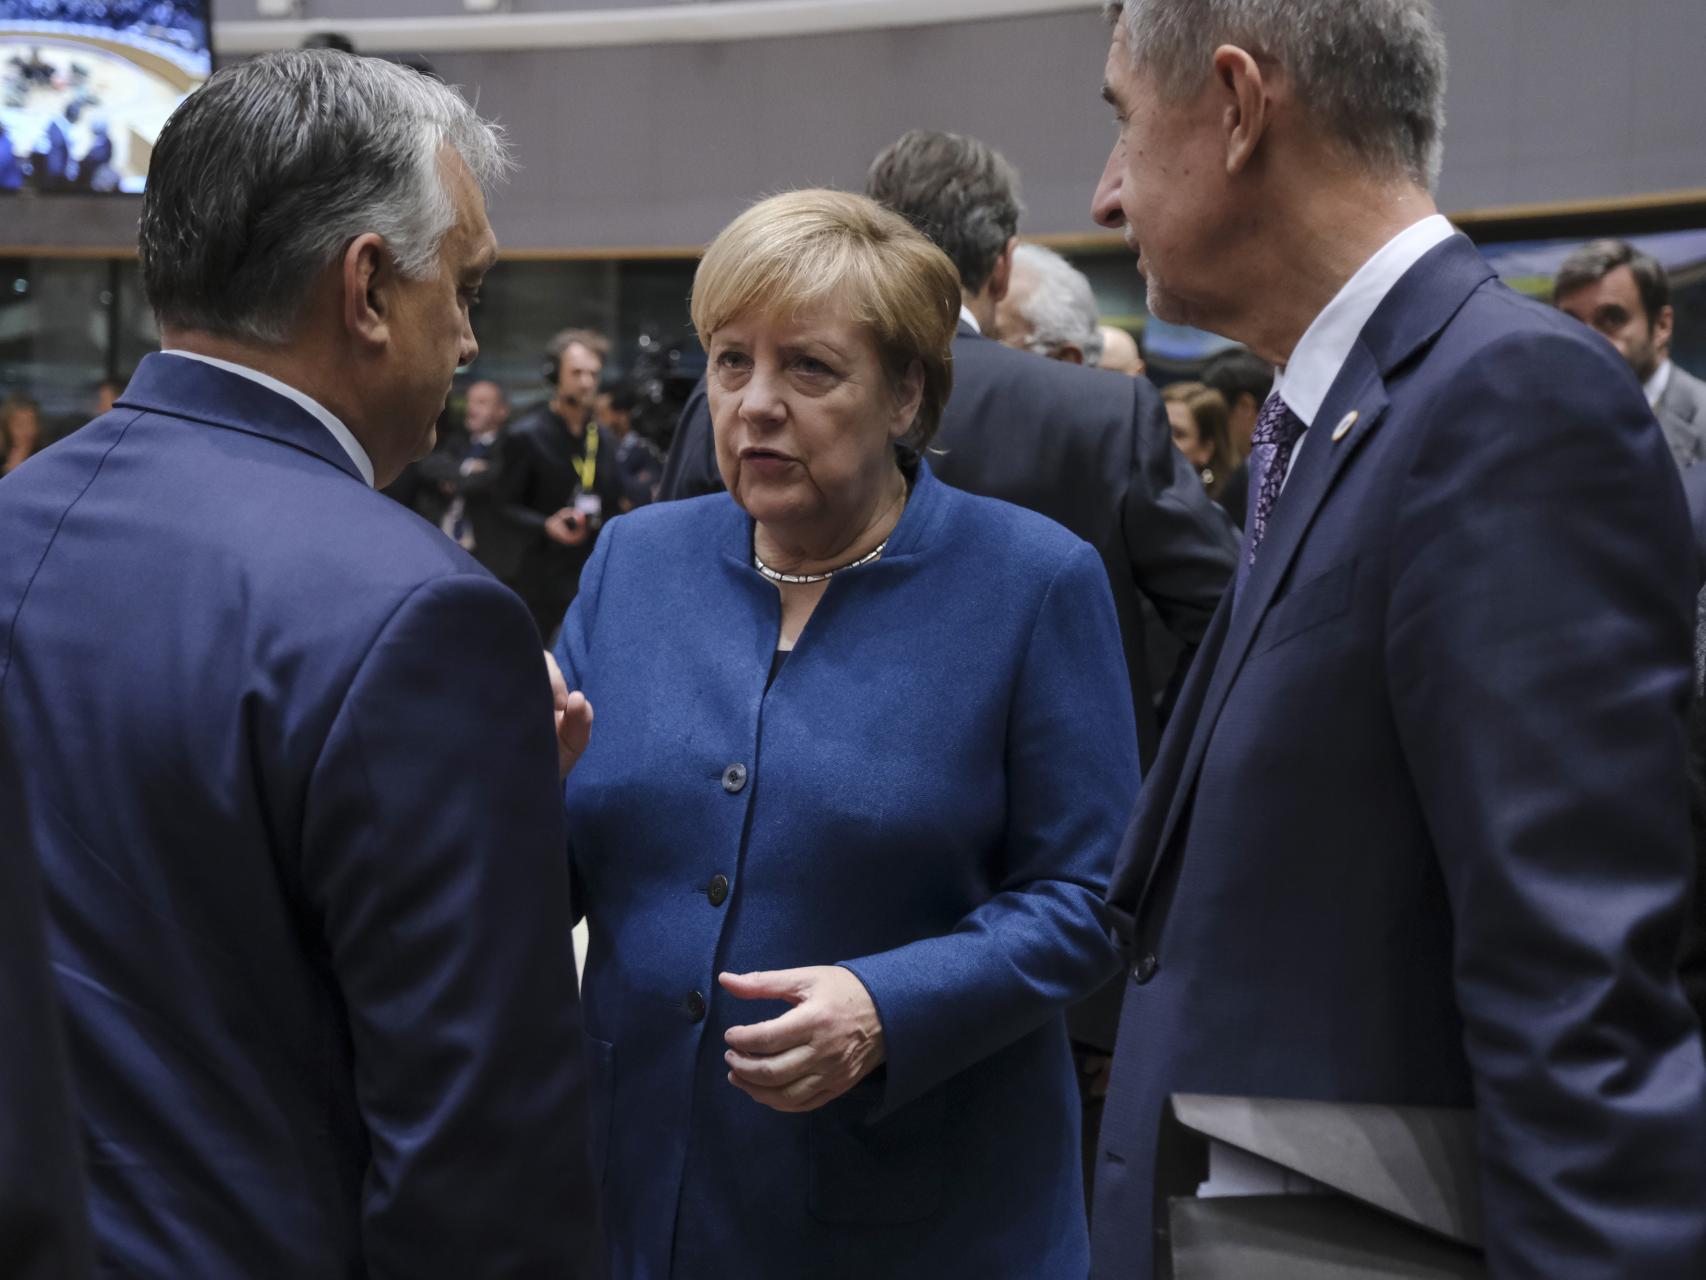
column 87, row 85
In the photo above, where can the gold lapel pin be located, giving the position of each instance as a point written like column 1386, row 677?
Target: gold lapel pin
column 1345, row 425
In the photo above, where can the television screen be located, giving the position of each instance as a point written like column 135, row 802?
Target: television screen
column 86, row 86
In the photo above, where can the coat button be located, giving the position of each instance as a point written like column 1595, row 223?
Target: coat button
column 1145, row 969
column 734, row 778
column 695, row 1007
column 718, row 890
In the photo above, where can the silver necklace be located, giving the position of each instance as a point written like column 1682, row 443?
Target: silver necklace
column 806, row 579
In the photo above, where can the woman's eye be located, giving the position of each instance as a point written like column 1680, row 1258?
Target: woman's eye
column 731, row 360
column 813, row 368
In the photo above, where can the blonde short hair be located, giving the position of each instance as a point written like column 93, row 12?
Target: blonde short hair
column 795, row 251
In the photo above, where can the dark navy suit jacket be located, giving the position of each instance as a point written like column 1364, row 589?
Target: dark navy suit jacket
column 1420, row 834
column 930, row 793
column 44, row 1232
column 291, row 776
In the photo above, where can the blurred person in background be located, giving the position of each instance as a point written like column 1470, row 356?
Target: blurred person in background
column 20, row 430
column 1120, row 353
column 107, row 392
column 460, row 481
column 1049, row 309
column 1244, row 381
column 638, row 462
column 309, row 906
column 1624, row 295
column 560, row 477
column 1200, row 431
column 862, row 743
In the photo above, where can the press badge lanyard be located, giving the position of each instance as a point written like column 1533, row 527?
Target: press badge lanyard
column 586, row 466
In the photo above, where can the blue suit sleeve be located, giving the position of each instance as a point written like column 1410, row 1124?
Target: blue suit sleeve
column 433, row 859
column 1041, row 942
column 1538, row 645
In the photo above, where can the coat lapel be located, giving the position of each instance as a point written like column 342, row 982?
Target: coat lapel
column 1412, row 315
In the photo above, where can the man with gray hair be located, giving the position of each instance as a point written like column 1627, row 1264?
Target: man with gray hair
column 1050, row 308
column 1418, row 833
column 311, row 917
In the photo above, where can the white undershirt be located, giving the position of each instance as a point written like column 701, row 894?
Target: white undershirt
column 324, row 416
column 1658, row 384
column 1326, row 345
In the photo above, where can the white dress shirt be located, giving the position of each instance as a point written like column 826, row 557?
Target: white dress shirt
column 1326, row 345
column 1658, row 384
column 968, row 318
column 324, row 416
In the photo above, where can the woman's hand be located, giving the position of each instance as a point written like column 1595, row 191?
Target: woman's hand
column 829, row 1041
column 573, row 714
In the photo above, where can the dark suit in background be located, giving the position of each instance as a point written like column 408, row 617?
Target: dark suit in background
column 43, row 1221
column 309, row 901
column 1422, row 834
column 1694, row 489
column 542, row 463
column 464, row 468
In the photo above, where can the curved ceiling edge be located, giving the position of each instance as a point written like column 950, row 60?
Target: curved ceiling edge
column 677, row 23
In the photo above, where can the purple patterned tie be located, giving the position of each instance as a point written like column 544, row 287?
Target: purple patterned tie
column 1272, row 443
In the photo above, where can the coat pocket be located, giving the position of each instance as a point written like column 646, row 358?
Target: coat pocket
column 1306, row 606
column 600, row 1102
column 892, row 1171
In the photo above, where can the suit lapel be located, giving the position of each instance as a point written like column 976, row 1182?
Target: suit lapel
column 1359, row 389
column 1412, row 315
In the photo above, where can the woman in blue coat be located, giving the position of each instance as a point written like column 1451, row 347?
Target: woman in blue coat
column 864, row 751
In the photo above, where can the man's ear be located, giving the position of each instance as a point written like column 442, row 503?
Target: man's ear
column 1246, row 110
column 1664, row 329
column 1001, row 279
column 369, row 280
column 1070, row 353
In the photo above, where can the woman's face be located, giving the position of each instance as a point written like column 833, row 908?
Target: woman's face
column 24, row 428
column 805, row 419
column 1185, row 433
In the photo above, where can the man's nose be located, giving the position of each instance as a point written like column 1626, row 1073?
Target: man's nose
column 1105, row 207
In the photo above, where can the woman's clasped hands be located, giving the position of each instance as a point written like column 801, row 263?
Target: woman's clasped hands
column 830, row 1040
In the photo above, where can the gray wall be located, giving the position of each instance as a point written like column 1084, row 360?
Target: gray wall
column 661, row 145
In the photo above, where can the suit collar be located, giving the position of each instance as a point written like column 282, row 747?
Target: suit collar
column 200, row 392
column 967, row 330
column 1415, row 311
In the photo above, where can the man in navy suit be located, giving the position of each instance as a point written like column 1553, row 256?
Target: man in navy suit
column 1418, row 833
column 310, row 910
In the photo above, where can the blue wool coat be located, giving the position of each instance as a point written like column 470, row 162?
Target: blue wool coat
column 930, row 794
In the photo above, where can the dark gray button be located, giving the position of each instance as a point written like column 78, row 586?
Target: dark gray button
column 718, row 890
column 1145, row 969
column 734, row 778
column 695, row 1007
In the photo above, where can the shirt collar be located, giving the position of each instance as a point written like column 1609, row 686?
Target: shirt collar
column 1658, row 384
column 322, row 415
column 1326, row 344
column 966, row 317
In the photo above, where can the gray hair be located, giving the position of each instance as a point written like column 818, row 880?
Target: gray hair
column 1372, row 72
column 264, row 176
column 961, row 193
column 1061, row 306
